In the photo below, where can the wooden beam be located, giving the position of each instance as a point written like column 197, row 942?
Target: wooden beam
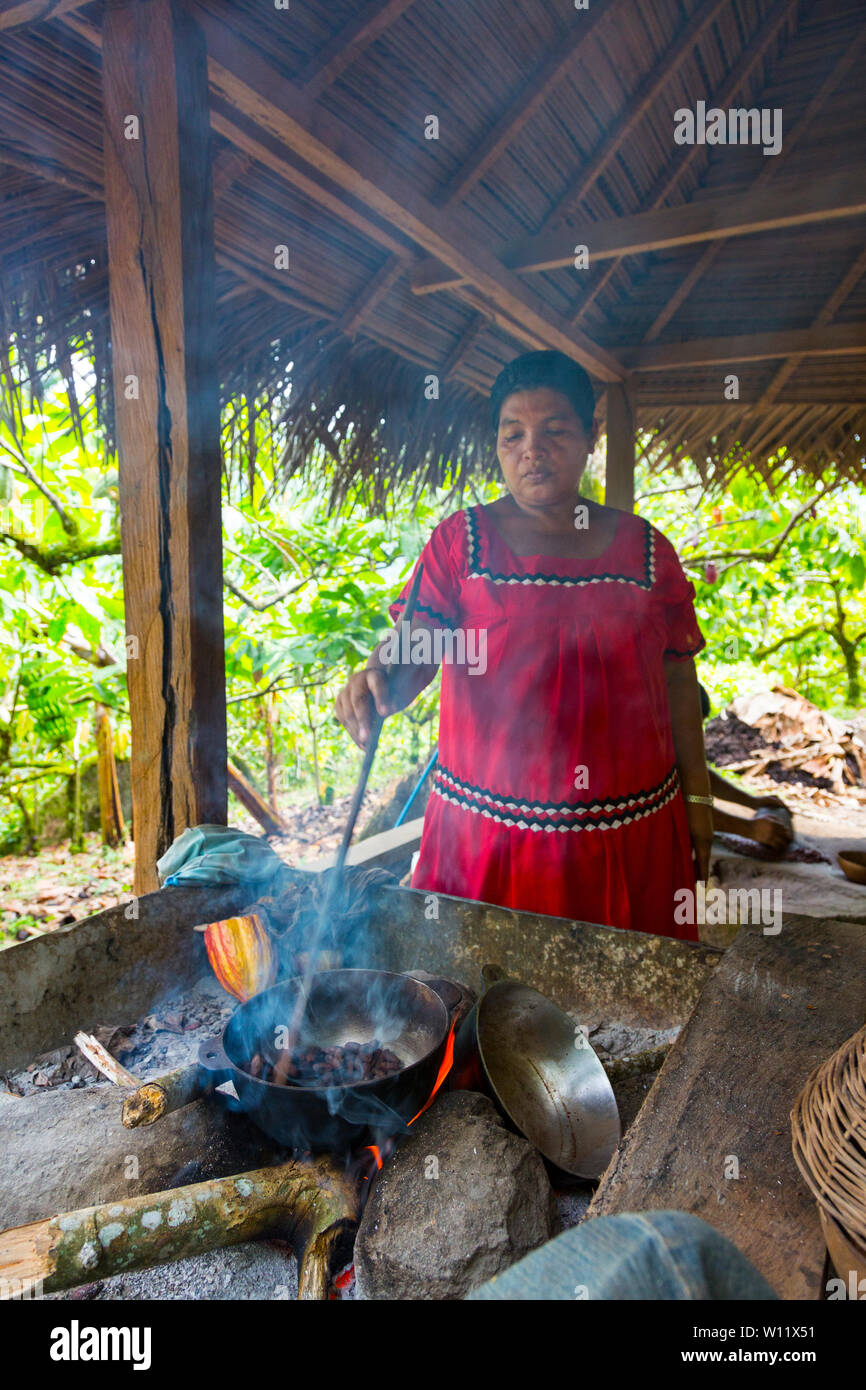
column 465, row 343
column 534, row 93
column 847, row 339
column 620, row 459
column 253, row 87
column 511, row 326
column 637, row 105
column 704, row 220
column 159, row 215
column 349, row 43
column 229, row 165
column 15, row 13
column 257, row 125
column 381, row 284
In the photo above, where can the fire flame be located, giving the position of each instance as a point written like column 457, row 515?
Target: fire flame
column 444, row 1069
column 447, row 1064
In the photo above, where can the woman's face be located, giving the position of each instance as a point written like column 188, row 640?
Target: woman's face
column 542, row 447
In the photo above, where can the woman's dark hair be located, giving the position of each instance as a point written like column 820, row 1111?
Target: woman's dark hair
column 705, row 702
column 533, row 370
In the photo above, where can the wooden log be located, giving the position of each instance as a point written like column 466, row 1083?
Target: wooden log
column 159, row 215
column 313, row 1206
column 773, row 1010
column 241, row 787
column 162, row 1096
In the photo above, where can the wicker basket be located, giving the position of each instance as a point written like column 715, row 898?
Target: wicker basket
column 828, row 1126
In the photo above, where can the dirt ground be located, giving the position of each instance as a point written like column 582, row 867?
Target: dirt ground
column 39, row 893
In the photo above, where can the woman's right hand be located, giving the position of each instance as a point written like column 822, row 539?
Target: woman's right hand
column 355, row 702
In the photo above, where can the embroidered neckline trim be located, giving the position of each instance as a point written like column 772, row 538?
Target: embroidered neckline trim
column 477, row 570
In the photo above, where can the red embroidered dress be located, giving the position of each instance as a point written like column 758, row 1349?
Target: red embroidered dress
column 556, row 789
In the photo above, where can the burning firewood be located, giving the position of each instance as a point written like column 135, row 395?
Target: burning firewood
column 159, row 1097
column 313, row 1206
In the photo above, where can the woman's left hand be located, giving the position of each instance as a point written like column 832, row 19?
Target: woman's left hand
column 700, row 819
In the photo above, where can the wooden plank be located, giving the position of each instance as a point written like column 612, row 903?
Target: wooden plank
column 705, row 220
column 383, row 850
column 620, row 460
column 251, row 86
column 841, row 339
column 349, row 43
column 159, row 216
column 775, row 1007
column 541, row 84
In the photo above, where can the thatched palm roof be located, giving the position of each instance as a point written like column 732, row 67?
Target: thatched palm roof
column 554, row 125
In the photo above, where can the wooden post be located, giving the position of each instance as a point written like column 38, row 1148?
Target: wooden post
column 110, row 809
column 619, row 464
column 159, row 213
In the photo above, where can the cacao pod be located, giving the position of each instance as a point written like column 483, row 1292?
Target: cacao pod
column 241, row 955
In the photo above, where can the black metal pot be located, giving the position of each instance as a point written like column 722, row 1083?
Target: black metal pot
column 344, row 1006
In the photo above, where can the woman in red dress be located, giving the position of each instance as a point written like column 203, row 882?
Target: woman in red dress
column 571, row 776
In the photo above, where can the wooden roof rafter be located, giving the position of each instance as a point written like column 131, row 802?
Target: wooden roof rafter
column 850, row 279
column 636, row 108
column 769, row 172
column 249, row 84
column 264, row 104
column 536, row 91
column 349, row 43
column 704, row 220
column 783, row 14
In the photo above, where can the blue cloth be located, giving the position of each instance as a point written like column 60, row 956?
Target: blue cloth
column 217, row 854
column 634, row 1255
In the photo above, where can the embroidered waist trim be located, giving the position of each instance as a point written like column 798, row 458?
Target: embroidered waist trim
column 515, row 812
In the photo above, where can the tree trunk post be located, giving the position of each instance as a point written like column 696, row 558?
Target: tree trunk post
column 620, row 461
column 159, row 214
